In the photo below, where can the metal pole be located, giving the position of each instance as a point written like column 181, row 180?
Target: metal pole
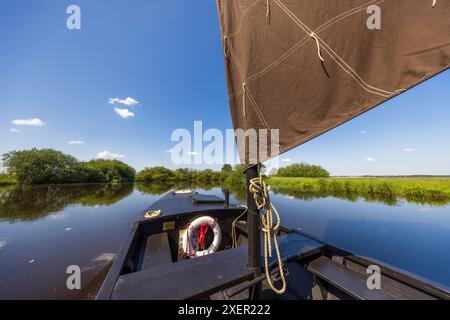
column 227, row 197
column 254, row 241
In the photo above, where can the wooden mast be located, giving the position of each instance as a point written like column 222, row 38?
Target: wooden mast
column 254, row 241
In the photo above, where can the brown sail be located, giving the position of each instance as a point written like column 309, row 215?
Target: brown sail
column 307, row 66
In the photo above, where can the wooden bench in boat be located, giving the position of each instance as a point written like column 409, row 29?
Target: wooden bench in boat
column 206, row 199
column 186, row 279
column 157, row 251
column 201, row 277
column 348, row 281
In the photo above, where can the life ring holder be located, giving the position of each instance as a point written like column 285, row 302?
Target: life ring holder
column 192, row 230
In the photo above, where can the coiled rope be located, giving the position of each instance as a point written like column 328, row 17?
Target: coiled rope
column 260, row 191
column 233, row 228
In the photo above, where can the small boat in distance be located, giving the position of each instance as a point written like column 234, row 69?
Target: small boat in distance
column 155, row 263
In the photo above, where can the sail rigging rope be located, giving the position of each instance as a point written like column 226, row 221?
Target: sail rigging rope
column 233, row 228
column 260, row 191
column 225, row 43
column 319, row 52
column 244, row 94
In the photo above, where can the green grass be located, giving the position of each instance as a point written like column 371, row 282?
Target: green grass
column 419, row 190
column 7, row 180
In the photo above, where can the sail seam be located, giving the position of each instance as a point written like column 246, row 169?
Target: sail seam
column 247, row 90
column 231, row 35
column 233, row 55
column 324, row 26
column 353, row 73
column 321, row 27
column 344, row 15
column 302, row 42
column 258, row 111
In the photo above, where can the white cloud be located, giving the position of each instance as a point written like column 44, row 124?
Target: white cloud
column 370, row 159
column 29, row 122
column 130, row 102
column 124, row 113
column 169, row 151
column 286, row 160
column 78, row 142
column 409, row 150
column 14, row 130
column 109, row 155
column 363, row 132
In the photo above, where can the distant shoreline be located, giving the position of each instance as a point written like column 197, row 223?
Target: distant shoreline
column 393, row 176
column 7, row 180
column 415, row 189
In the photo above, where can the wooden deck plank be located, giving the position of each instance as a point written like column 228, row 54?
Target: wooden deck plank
column 157, row 251
column 346, row 280
column 177, row 204
column 187, row 279
column 197, row 278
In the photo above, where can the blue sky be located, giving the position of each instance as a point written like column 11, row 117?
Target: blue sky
column 167, row 55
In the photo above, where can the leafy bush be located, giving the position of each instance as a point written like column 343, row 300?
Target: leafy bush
column 162, row 174
column 236, row 177
column 41, row 166
column 7, row 179
column 226, row 169
column 303, row 170
column 49, row 166
column 109, row 171
column 158, row 174
column 185, row 175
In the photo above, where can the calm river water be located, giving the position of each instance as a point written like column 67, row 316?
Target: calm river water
column 45, row 229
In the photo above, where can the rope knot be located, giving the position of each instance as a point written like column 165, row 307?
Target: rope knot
column 260, row 191
column 202, row 235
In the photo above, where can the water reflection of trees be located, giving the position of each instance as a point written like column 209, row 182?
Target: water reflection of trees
column 154, row 189
column 387, row 199
column 237, row 191
column 21, row 203
column 161, row 188
column 30, row 203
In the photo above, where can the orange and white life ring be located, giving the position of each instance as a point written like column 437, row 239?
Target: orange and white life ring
column 191, row 234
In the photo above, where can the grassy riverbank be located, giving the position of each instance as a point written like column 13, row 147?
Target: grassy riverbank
column 7, row 179
column 413, row 189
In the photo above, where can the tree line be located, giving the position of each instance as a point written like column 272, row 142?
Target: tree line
column 163, row 174
column 48, row 166
column 303, row 170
